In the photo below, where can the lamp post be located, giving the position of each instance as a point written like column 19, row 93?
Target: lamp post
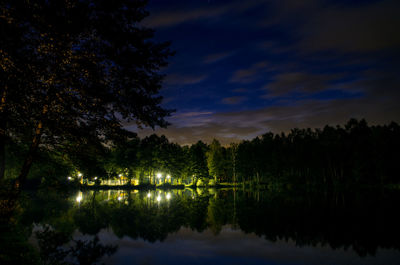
column 120, row 179
column 169, row 178
column 159, row 175
column 80, row 176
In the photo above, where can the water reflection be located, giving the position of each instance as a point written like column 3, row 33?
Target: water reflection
column 359, row 224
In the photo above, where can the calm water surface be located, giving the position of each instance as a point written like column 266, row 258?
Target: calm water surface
column 217, row 227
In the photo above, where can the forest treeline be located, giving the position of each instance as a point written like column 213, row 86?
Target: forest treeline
column 353, row 154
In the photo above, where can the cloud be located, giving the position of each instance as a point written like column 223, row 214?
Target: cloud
column 193, row 114
column 233, row 100
column 216, row 57
column 179, row 79
column 364, row 26
column 191, row 118
column 347, row 46
column 173, row 18
column 206, row 132
column 286, row 83
column 240, row 90
column 376, row 107
column 249, row 75
column 369, row 27
column 169, row 18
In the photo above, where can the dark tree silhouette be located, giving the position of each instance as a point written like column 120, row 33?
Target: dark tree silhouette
column 198, row 162
column 356, row 154
column 74, row 71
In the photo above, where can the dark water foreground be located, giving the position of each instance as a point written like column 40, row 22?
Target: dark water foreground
column 203, row 227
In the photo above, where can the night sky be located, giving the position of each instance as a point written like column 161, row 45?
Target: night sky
column 243, row 68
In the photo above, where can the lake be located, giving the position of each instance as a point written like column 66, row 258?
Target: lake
column 206, row 226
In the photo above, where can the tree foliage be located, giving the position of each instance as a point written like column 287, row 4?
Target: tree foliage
column 76, row 71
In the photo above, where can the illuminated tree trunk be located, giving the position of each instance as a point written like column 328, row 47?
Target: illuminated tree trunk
column 2, row 147
column 3, row 133
column 31, row 153
column 29, row 158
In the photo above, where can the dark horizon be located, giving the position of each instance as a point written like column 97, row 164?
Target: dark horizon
column 242, row 69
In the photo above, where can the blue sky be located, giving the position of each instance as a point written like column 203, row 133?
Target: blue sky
column 243, row 68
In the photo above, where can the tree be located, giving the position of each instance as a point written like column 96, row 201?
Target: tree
column 215, row 160
column 233, row 150
column 72, row 70
column 123, row 158
column 152, row 155
column 198, row 162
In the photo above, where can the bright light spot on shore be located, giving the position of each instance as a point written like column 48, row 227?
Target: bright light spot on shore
column 120, row 175
column 158, row 198
column 159, row 175
column 79, row 174
column 168, row 196
column 69, row 178
column 95, row 178
column 79, row 198
column 168, row 176
column 119, row 198
column 148, row 195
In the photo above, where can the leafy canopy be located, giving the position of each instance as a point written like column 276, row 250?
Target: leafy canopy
column 80, row 68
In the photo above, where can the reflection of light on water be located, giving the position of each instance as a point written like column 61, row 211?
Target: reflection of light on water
column 148, row 195
column 119, row 198
column 168, row 196
column 79, row 197
column 158, row 198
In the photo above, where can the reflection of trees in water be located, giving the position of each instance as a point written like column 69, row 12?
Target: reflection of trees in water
column 53, row 248
column 363, row 223
column 360, row 221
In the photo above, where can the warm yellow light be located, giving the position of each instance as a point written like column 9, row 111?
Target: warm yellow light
column 69, row 178
column 148, row 195
column 95, row 178
column 119, row 198
column 120, row 175
column 159, row 175
column 79, row 174
column 168, row 176
column 158, row 198
column 79, row 198
column 168, row 196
